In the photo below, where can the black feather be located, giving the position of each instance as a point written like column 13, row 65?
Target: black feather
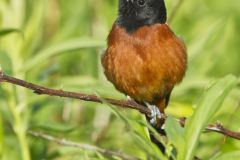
column 132, row 16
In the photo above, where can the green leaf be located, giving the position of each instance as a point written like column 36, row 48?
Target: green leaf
column 54, row 50
column 77, row 80
column 208, row 105
column 200, row 42
column 1, row 136
column 144, row 133
column 55, row 127
column 33, row 28
column 228, row 156
column 151, row 150
column 5, row 63
column 179, row 109
column 175, row 133
column 7, row 31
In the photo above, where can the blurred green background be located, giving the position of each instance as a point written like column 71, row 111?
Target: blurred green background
column 58, row 44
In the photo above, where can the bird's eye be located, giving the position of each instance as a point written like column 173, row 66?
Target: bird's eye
column 141, row 2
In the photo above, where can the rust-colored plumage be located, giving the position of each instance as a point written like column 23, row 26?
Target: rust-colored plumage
column 145, row 64
column 144, row 58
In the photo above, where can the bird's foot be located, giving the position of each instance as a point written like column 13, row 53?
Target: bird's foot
column 156, row 114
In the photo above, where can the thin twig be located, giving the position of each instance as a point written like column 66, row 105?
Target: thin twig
column 93, row 98
column 60, row 93
column 175, row 10
column 81, row 146
column 229, row 120
column 218, row 127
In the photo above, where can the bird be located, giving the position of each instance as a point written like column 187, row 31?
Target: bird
column 144, row 58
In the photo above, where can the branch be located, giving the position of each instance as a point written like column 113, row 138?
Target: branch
column 93, row 98
column 60, row 93
column 67, row 143
column 218, row 127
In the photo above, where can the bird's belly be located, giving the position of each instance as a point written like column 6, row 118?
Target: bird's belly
column 145, row 65
column 141, row 79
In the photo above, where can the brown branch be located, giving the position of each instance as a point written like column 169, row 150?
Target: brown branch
column 81, row 146
column 175, row 10
column 218, row 127
column 60, row 93
column 93, row 98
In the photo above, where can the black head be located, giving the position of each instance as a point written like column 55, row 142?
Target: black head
column 136, row 13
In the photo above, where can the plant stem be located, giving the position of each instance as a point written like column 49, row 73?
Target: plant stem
column 19, row 127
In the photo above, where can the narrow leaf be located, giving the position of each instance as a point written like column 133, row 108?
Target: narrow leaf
column 54, row 50
column 7, row 31
column 175, row 133
column 209, row 104
column 229, row 156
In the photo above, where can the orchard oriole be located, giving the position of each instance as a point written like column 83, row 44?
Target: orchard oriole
column 144, row 58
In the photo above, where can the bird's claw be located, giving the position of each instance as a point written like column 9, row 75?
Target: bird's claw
column 155, row 113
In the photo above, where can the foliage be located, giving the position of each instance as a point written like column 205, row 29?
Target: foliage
column 58, row 44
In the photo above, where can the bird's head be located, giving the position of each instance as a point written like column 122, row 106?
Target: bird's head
column 136, row 13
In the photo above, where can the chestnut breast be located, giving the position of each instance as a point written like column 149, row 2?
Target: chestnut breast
column 145, row 64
